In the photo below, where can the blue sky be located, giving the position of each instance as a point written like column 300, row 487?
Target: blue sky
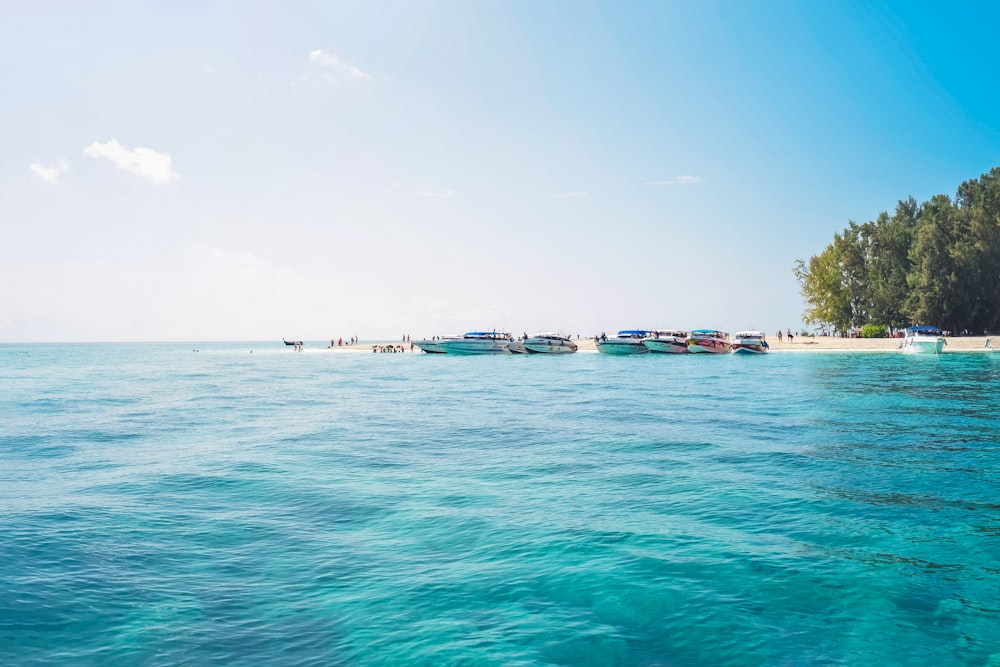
column 246, row 171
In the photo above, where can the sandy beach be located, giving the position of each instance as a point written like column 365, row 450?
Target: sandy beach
column 799, row 344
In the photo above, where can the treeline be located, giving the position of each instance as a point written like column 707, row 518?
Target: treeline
column 935, row 263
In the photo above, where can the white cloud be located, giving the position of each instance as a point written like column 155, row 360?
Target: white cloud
column 570, row 195
column 678, row 180
column 145, row 162
column 331, row 62
column 49, row 174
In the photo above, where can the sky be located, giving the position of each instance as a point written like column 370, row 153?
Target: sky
column 185, row 170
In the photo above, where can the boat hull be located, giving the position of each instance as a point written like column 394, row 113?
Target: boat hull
column 612, row 346
column 429, row 346
column 548, row 347
column 498, row 346
column 694, row 348
column 666, row 346
column 709, row 341
column 740, row 348
column 923, row 345
column 708, row 346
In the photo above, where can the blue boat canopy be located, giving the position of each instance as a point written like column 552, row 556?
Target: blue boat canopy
column 923, row 329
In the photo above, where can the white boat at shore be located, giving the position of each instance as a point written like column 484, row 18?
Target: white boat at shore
column 710, row 341
column 548, row 343
column 670, row 341
column 433, row 345
column 627, row 341
column 477, row 342
column 923, row 340
column 750, row 342
column 516, row 346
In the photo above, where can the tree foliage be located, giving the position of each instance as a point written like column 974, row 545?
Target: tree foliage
column 937, row 262
column 874, row 331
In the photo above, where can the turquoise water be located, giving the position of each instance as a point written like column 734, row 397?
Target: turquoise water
column 164, row 506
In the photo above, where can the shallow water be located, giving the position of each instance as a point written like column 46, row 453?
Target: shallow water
column 160, row 506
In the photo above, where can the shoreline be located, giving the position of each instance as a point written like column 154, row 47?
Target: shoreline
column 800, row 344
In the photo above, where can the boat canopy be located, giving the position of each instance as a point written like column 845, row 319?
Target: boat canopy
column 633, row 332
column 749, row 334
column 708, row 332
column 920, row 329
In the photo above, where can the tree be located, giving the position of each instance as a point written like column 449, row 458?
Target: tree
column 980, row 200
column 932, row 263
column 821, row 284
column 934, row 274
column 889, row 263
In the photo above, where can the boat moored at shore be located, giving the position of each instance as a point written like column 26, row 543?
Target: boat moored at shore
column 923, row 340
column 627, row 341
column 433, row 345
column 710, row 341
column 477, row 342
column 750, row 342
column 670, row 341
column 548, row 343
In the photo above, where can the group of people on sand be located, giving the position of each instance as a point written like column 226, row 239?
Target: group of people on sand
column 388, row 348
column 788, row 335
column 353, row 340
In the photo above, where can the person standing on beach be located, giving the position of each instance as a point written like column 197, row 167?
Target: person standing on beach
column 779, row 335
column 788, row 334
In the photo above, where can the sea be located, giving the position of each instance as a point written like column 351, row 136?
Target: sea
column 247, row 504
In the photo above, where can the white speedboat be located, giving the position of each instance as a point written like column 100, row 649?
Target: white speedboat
column 627, row 341
column 433, row 345
column 516, row 346
column 477, row 342
column 923, row 340
column 709, row 340
column 548, row 343
column 750, row 342
column 670, row 341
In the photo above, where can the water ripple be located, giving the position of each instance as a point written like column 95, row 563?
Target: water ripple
column 159, row 506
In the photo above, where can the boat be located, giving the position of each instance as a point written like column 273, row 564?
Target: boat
column 292, row 342
column 710, row 341
column 433, row 345
column 923, row 340
column 548, row 343
column 627, row 341
column 670, row 341
column 477, row 342
column 750, row 342
column 516, row 346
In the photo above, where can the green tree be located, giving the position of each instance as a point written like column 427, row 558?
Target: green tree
column 979, row 199
column 889, row 243
column 933, row 297
column 830, row 282
column 933, row 263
